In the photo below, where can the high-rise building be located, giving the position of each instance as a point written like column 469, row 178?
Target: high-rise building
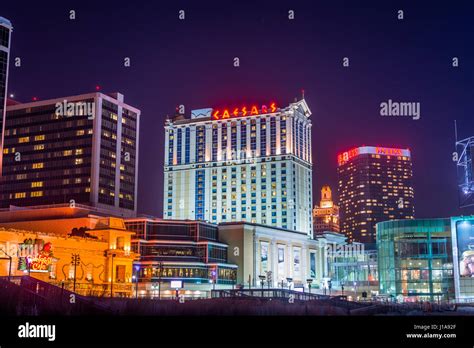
column 326, row 214
column 241, row 164
column 5, row 36
column 375, row 185
column 80, row 149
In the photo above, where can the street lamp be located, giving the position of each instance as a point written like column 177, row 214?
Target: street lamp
column 289, row 280
column 112, row 277
column 269, row 278
column 262, row 280
column 28, row 263
column 135, row 277
column 76, row 261
column 160, row 270
column 309, row 281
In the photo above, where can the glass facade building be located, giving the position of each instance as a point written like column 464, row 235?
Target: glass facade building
column 415, row 259
column 173, row 250
column 375, row 185
column 236, row 165
column 5, row 43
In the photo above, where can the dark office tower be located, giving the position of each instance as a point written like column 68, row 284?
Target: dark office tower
column 5, row 34
column 375, row 185
column 78, row 150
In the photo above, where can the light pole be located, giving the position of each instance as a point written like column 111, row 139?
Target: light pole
column 76, row 261
column 289, row 280
column 135, row 277
column 112, row 277
column 160, row 270
column 262, row 280
column 309, row 281
column 28, row 263
column 269, row 278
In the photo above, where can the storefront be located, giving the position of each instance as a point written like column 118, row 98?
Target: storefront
column 95, row 261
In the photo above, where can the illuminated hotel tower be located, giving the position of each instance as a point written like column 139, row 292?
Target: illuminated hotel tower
column 326, row 214
column 241, row 164
column 5, row 36
column 375, row 185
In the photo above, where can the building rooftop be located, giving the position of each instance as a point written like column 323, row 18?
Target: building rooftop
column 5, row 22
column 47, row 212
column 115, row 97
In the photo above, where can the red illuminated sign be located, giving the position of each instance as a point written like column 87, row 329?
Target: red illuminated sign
column 222, row 114
column 388, row 151
column 348, row 155
column 385, row 151
column 35, row 255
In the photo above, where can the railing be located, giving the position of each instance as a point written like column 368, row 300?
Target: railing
column 29, row 296
column 286, row 294
column 267, row 293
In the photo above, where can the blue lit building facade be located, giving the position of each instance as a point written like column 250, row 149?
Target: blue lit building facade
column 415, row 259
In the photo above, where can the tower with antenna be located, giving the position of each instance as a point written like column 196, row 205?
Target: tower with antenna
column 465, row 169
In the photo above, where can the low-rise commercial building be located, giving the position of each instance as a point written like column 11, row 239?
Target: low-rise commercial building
column 179, row 257
column 68, row 247
column 275, row 256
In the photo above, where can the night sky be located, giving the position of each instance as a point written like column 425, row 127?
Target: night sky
column 190, row 62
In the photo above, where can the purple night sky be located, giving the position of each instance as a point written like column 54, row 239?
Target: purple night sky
column 190, row 62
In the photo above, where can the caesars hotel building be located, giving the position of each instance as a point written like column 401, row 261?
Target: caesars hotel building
column 249, row 163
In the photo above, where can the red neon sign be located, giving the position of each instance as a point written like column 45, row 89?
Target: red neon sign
column 386, row 151
column 244, row 111
column 348, row 155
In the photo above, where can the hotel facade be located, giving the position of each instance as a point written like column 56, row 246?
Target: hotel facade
column 5, row 43
column 241, row 164
column 80, row 150
column 375, row 185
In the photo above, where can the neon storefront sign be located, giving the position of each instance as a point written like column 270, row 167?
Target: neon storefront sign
column 222, row 114
column 35, row 255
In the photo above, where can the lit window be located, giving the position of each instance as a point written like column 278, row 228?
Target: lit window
column 20, row 195
column 37, row 184
column 39, row 137
column 37, row 194
column 24, row 140
column 38, row 165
